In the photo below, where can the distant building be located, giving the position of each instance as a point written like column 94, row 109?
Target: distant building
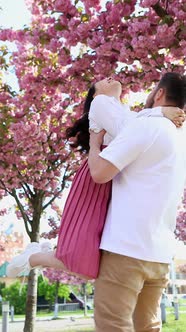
column 177, row 281
column 180, row 276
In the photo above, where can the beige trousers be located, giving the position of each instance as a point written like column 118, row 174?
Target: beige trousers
column 128, row 294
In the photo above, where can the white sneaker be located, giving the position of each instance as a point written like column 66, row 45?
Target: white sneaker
column 46, row 246
column 20, row 264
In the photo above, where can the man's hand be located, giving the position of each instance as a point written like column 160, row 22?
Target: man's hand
column 96, row 139
column 175, row 114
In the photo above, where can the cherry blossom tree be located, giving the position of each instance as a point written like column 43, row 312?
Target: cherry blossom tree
column 52, row 290
column 35, row 163
column 181, row 220
column 61, row 277
column 69, row 45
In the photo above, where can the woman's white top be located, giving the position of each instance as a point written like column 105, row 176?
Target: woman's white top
column 109, row 114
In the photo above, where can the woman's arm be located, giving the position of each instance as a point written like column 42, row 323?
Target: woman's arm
column 175, row 114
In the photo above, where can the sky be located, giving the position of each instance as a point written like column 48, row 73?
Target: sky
column 15, row 14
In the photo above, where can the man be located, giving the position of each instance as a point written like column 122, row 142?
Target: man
column 147, row 163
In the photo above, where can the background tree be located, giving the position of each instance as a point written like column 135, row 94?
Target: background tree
column 181, row 220
column 2, row 286
column 52, row 290
column 68, row 45
column 16, row 295
column 61, row 277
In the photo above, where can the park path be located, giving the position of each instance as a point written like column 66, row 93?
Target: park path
column 58, row 325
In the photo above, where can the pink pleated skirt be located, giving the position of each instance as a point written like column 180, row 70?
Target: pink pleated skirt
column 82, row 224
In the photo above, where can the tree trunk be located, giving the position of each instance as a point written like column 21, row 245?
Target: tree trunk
column 31, row 302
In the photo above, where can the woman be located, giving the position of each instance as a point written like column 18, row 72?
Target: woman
column 86, row 207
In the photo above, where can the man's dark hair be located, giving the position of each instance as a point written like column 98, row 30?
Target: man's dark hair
column 175, row 87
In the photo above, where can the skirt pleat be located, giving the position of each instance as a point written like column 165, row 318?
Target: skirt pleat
column 82, row 224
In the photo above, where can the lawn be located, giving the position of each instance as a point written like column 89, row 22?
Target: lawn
column 171, row 325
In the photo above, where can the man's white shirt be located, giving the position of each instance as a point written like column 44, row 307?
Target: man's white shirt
column 149, row 152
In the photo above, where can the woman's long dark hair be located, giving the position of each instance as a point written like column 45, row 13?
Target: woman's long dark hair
column 80, row 129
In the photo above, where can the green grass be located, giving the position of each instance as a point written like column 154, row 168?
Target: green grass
column 173, row 325
column 62, row 314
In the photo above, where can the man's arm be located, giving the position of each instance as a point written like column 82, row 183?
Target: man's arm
column 122, row 151
column 101, row 170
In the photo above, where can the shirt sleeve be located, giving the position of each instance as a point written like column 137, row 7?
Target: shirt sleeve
column 128, row 145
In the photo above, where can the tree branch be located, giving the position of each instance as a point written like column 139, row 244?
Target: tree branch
column 162, row 13
column 28, row 192
column 20, row 206
column 4, row 188
column 61, row 189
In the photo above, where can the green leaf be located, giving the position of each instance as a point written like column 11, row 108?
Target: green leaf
column 80, row 9
column 59, row 27
column 84, row 18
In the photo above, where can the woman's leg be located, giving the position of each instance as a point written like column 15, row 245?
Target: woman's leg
column 46, row 259
column 36, row 255
column 49, row 260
